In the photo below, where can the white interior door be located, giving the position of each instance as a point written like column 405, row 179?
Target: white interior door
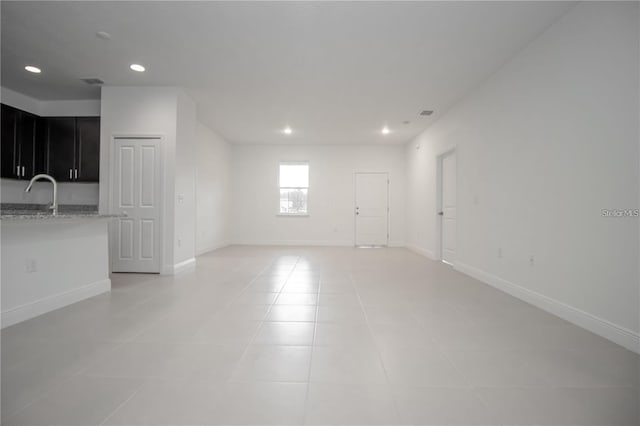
column 372, row 209
column 448, row 212
column 135, row 239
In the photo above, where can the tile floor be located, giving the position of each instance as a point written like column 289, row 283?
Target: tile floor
column 320, row 336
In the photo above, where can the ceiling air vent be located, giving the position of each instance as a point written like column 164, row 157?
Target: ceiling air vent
column 426, row 113
column 93, row 81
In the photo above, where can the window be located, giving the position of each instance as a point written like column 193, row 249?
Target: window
column 294, row 188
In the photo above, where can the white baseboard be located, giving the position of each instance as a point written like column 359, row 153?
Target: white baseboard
column 51, row 303
column 212, row 248
column 421, row 251
column 617, row 334
column 397, row 244
column 183, row 266
column 309, row 243
column 302, row 243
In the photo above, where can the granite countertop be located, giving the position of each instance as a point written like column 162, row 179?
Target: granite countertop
column 42, row 211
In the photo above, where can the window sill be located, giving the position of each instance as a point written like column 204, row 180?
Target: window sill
column 292, row 215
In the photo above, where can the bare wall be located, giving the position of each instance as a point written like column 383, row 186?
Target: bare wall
column 142, row 111
column 213, row 174
column 254, row 199
column 543, row 146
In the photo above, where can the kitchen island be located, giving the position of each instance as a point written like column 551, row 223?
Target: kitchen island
column 48, row 261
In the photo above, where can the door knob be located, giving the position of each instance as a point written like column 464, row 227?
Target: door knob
column 440, row 213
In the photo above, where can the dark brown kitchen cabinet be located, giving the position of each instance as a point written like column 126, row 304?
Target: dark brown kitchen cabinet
column 88, row 141
column 67, row 148
column 22, row 143
column 9, row 141
column 61, row 147
column 74, row 148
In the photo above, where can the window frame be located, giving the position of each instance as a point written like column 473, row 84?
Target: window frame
column 280, row 188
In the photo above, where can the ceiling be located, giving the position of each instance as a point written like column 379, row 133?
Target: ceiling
column 336, row 72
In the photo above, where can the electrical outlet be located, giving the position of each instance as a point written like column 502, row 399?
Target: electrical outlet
column 532, row 260
column 499, row 252
column 179, row 242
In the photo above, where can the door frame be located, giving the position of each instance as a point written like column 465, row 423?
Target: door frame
column 161, row 189
column 439, row 208
column 355, row 195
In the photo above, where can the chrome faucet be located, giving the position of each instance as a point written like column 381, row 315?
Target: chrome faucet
column 54, row 204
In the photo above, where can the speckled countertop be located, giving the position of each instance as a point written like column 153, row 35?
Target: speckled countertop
column 41, row 211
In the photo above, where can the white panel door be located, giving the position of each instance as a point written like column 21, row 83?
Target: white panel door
column 372, row 209
column 448, row 212
column 135, row 239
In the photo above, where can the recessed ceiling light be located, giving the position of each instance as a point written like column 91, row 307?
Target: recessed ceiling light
column 287, row 130
column 33, row 69
column 385, row 130
column 137, row 67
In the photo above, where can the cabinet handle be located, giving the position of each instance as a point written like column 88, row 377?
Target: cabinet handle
column 22, row 171
column 70, row 174
column 18, row 171
column 76, row 173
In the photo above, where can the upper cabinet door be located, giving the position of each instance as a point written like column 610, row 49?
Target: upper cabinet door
column 61, row 137
column 22, row 151
column 41, row 155
column 88, row 144
column 9, row 142
column 26, row 144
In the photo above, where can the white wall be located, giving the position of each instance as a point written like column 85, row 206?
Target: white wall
column 70, row 108
column 254, row 199
column 213, row 173
column 185, row 198
column 638, row 118
column 48, row 264
column 142, row 111
column 543, row 146
column 20, row 101
column 169, row 113
column 57, row 108
column 12, row 191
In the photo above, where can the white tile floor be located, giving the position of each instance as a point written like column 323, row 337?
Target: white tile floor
column 319, row 336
